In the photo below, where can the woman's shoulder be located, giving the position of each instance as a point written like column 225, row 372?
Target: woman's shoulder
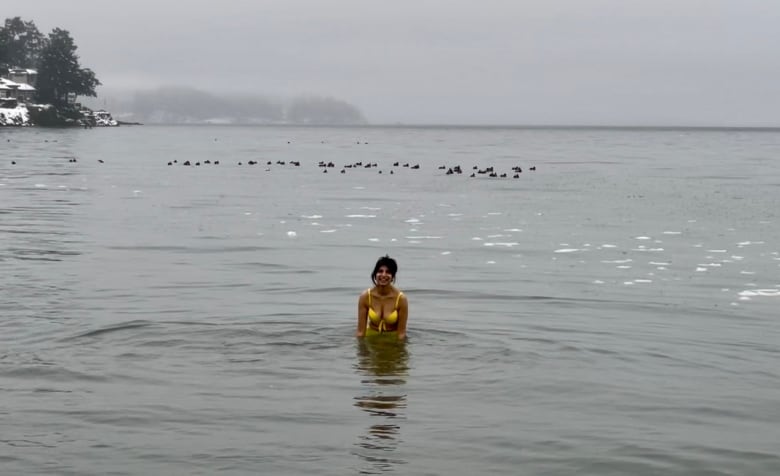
column 365, row 293
column 401, row 295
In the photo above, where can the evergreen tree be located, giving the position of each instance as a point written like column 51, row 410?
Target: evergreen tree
column 59, row 71
column 20, row 44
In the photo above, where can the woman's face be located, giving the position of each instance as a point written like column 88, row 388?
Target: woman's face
column 383, row 276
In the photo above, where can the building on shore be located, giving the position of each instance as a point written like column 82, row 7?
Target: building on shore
column 19, row 84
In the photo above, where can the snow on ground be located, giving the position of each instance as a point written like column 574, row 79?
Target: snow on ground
column 17, row 116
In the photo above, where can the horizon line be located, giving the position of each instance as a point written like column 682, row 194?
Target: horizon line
column 490, row 126
column 580, row 126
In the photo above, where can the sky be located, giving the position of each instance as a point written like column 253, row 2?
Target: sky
column 523, row 62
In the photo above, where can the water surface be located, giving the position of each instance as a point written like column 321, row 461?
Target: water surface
column 612, row 312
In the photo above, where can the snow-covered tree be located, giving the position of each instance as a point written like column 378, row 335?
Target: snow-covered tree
column 59, row 71
column 20, row 44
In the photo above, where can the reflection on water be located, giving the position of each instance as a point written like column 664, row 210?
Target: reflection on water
column 383, row 365
column 628, row 344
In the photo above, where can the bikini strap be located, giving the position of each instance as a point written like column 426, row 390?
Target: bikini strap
column 369, row 296
column 398, row 299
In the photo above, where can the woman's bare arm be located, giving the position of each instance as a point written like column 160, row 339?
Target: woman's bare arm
column 403, row 314
column 362, row 314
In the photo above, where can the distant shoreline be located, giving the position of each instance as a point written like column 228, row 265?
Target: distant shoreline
column 667, row 128
column 474, row 126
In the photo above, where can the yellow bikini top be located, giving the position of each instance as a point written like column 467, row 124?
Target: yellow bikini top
column 388, row 321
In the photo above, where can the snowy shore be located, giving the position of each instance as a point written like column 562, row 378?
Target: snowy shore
column 17, row 116
column 21, row 115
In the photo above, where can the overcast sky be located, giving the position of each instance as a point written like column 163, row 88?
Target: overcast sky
column 623, row 62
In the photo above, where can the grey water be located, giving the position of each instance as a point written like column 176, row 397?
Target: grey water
column 614, row 311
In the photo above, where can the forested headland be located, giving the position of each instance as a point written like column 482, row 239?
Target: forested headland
column 59, row 76
column 61, row 91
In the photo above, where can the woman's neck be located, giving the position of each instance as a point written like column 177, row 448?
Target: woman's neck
column 384, row 289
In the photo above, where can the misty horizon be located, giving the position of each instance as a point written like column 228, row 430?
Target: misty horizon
column 597, row 62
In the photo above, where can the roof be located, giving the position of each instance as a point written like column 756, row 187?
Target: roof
column 22, row 71
column 8, row 84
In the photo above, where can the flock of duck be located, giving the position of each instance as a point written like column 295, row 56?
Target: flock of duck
column 450, row 170
column 325, row 166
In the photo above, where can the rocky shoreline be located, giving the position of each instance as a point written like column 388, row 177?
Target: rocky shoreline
column 16, row 116
column 45, row 115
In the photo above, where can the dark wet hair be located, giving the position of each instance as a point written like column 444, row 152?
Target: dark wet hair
column 385, row 261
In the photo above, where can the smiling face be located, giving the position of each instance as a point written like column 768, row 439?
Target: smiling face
column 384, row 271
column 383, row 276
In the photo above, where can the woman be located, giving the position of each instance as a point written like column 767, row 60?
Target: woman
column 383, row 309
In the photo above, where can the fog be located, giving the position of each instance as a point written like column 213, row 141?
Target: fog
column 594, row 62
